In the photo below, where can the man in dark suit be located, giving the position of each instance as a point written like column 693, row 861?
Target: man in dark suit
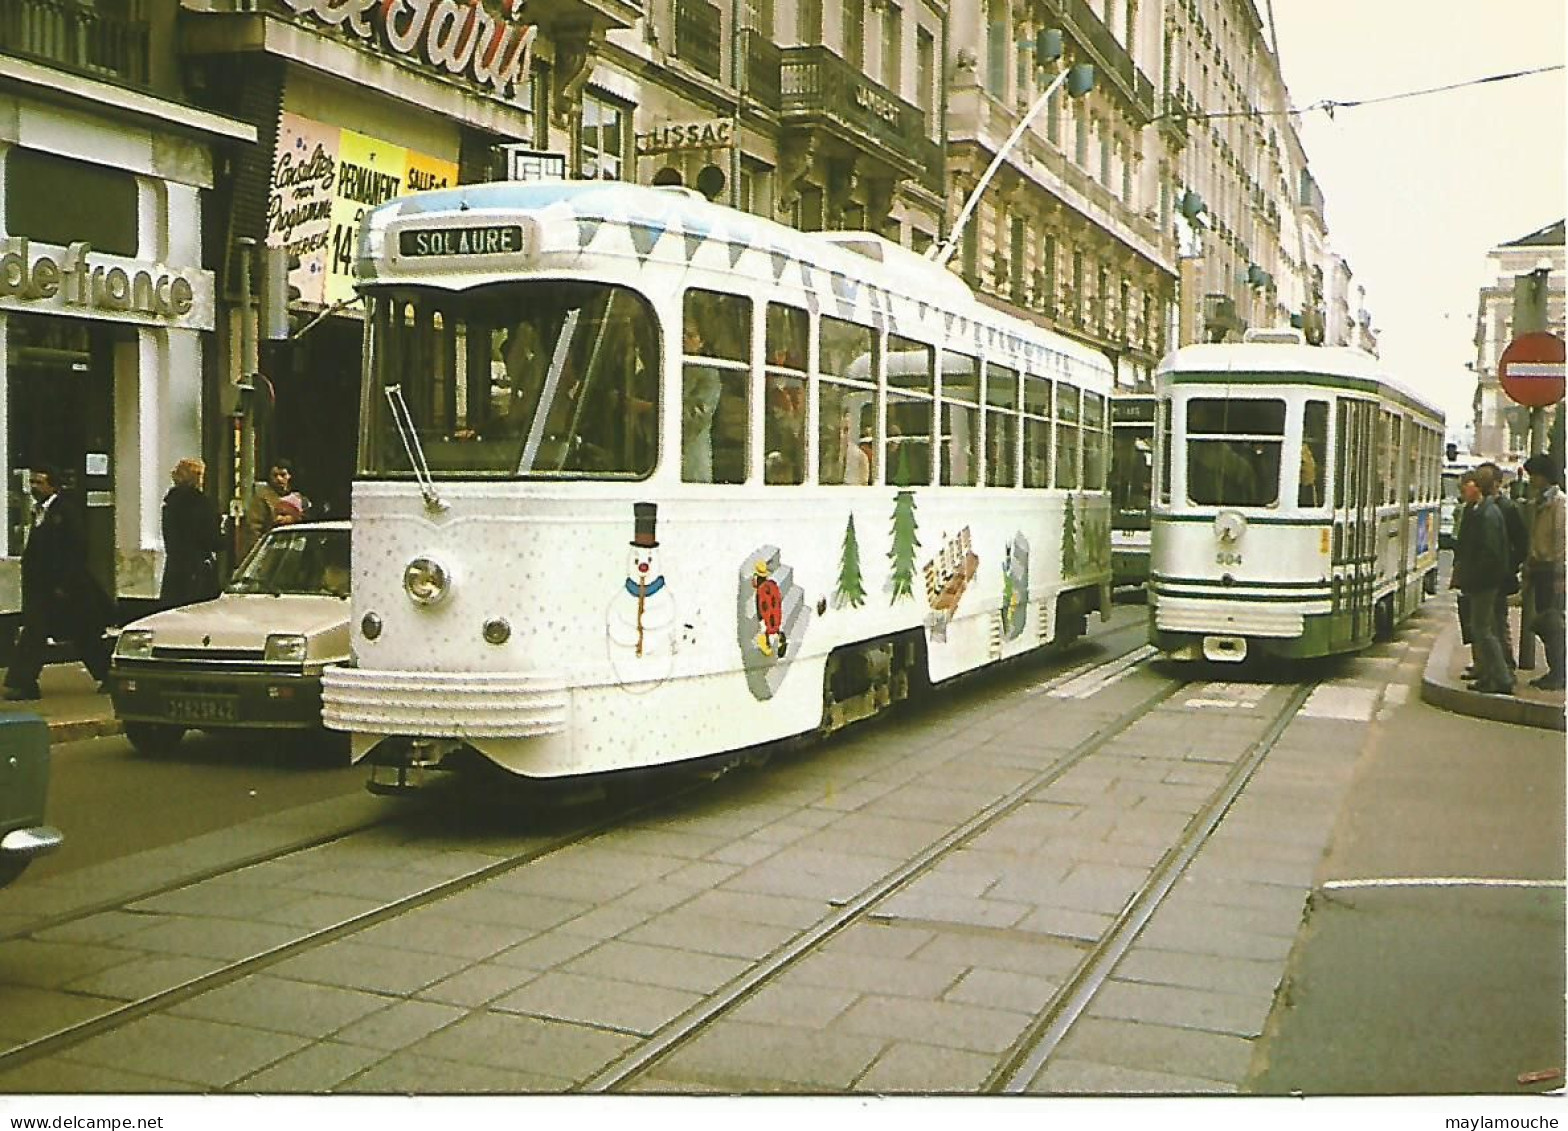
column 59, row 597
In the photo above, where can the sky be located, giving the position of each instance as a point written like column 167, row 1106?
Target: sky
column 1418, row 190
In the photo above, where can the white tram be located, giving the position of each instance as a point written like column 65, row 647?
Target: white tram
column 1295, row 503
column 645, row 479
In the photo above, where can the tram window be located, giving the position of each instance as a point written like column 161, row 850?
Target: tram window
column 1001, row 425
column 911, row 375
column 1067, row 439
column 1314, row 453
column 570, row 386
column 960, row 461
column 716, row 343
column 784, row 404
column 1131, row 470
column 1037, row 431
column 1093, row 442
column 908, row 440
column 1233, row 451
column 848, row 444
column 1163, row 415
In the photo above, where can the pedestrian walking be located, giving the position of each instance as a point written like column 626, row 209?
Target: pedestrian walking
column 60, row 598
column 275, row 503
column 1469, row 495
column 1481, row 569
column 191, row 537
column 1543, row 568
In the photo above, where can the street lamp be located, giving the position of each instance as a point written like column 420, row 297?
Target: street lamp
column 1079, row 80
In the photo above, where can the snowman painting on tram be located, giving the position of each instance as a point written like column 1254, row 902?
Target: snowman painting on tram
column 641, row 620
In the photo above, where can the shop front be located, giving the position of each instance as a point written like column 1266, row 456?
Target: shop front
column 104, row 312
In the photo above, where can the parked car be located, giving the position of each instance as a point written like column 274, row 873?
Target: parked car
column 251, row 659
column 24, row 785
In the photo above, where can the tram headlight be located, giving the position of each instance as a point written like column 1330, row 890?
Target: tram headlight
column 135, row 644
column 425, row 581
column 285, row 647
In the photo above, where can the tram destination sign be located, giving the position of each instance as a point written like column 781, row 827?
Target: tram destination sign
column 485, row 239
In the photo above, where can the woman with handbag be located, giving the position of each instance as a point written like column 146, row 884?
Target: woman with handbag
column 191, row 537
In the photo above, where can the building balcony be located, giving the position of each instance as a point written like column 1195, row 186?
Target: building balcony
column 818, row 90
column 1109, row 56
column 70, row 37
column 698, row 36
column 764, row 62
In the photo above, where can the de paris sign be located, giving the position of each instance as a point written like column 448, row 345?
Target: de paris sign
column 458, row 36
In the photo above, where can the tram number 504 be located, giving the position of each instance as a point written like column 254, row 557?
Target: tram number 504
column 1227, row 557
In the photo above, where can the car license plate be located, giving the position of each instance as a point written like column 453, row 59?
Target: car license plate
column 201, row 708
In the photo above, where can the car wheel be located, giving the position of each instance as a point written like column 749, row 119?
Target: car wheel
column 323, row 747
column 153, row 739
column 10, row 869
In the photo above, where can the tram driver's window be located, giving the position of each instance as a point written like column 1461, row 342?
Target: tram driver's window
column 784, row 415
column 1233, row 451
column 1314, row 455
column 716, row 352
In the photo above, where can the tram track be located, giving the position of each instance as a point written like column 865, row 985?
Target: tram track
column 119, row 1015
column 1022, row 1062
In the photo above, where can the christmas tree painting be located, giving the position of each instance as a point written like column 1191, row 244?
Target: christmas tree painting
column 1069, row 540
column 905, row 543
column 851, row 590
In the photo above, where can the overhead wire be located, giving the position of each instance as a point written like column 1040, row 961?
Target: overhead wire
column 1330, row 105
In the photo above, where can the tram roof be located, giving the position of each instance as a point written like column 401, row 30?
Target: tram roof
column 1265, row 363
column 575, row 211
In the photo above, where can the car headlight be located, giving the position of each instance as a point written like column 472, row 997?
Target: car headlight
column 285, row 647
column 135, row 644
column 425, row 581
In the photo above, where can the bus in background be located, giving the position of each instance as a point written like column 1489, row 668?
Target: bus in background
column 1132, row 472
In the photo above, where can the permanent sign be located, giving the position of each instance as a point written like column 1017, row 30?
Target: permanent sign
column 715, row 133
column 1531, row 369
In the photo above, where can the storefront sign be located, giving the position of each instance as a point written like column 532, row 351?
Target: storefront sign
column 71, row 282
column 715, row 133
column 322, row 182
column 458, row 36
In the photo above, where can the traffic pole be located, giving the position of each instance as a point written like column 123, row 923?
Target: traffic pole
column 1530, row 316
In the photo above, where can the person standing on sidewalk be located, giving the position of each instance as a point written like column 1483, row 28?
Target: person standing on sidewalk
column 1543, row 568
column 1518, row 547
column 191, row 538
column 1481, row 569
column 60, row 598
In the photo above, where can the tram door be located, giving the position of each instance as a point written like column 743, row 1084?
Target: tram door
column 1355, row 521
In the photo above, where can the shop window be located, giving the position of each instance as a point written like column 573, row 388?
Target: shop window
column 58, row 200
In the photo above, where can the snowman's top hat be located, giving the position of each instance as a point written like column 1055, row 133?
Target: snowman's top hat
column 645, row 518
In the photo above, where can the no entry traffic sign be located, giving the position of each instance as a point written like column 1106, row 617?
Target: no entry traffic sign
column 1531, row 369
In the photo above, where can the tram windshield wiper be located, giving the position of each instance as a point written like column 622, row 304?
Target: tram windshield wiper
column 407, row 433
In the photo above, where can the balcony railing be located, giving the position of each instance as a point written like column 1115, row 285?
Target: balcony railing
column 817, row 84
column 63, row 34
column 697, row 35
column 1090, row 31
column 763, row 61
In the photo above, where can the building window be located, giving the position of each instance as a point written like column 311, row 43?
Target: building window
column 1106, row 143
column 602, row 155
column 892, row 44
column 1081, row 138
column 996, row 48
column 58, row 200
column 925, row 72
column 1053, row 119
column 808, row 21
column 855, row 34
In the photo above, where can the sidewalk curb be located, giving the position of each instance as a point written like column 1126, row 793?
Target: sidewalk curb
column 79, row 730
column 1438, row 689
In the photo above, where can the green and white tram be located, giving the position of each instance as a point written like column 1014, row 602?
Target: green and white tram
column 643, row 479
column 1296, row 500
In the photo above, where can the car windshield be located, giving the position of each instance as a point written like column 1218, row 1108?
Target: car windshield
column 512, row 380
column 297, row 561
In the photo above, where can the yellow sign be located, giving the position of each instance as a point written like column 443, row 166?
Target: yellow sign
column 323, row 181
